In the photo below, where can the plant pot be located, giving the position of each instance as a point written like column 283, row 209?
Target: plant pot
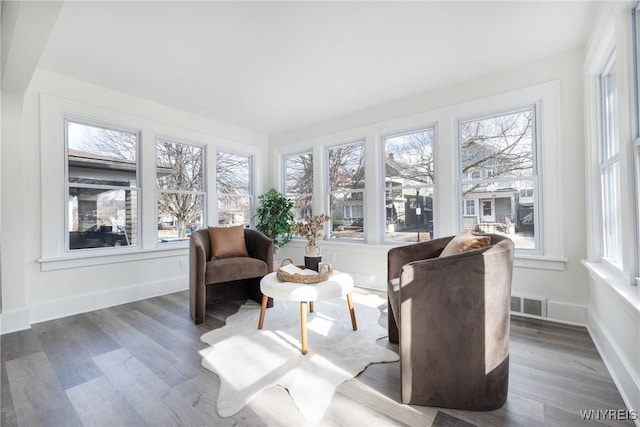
column 312, row 251
column 311, row 262
column 312, row 257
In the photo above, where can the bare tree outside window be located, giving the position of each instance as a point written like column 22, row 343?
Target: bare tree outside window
column 180, row 184
column 234, row 187
column 346, row 190
column 298, row 183
column 499, row 174
column 408, row 192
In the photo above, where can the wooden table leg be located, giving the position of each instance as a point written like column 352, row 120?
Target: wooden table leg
column 303, row 326
column 310, row 306
column 352, row 311
column 263, row 308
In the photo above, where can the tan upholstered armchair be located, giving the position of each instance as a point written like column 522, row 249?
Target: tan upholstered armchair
column 213, row 279
column 450, row 316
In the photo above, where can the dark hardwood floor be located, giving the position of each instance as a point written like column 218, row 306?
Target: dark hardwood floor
column 138, row 364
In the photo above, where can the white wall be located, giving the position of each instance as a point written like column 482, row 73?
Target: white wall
column 563, row 283
column 41, row 282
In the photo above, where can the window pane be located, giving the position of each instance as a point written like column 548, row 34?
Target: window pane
column 346, row 172
column 233, row 174
column 234, row 210
column 179, row 166
column 101, row 156
column 298, row 169
column 409, row 159
column 102, row 218
column 609, row 106
column 503, row 207
column 346, row 167
column 612, row 236
column 179, row 214
column 408, row 165
column 347, row 215
column 500, row 146
column 409, row 214
column 302, row 207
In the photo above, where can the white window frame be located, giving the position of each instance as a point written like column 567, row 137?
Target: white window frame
column 616, row 33
column 71, row 118
column 635, row 72
column 609, row 161
column 202, row 193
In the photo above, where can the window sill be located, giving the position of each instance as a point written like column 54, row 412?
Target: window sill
column 100, row 257
column 520, row 260
column 614, row 278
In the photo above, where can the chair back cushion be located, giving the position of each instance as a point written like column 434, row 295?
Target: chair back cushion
column 465, row 242
column 227, row 242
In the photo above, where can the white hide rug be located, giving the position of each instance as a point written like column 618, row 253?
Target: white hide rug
column 248, row 360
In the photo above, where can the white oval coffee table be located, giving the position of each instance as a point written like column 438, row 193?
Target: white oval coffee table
column 338, row 285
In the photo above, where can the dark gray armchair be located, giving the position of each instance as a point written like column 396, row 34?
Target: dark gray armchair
column 450, row 316
column 218, row 279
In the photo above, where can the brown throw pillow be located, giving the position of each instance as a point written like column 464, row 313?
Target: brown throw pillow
column 228, row 242
column 465, row 242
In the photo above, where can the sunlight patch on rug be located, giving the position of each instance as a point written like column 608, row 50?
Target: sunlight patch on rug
column 248, row 360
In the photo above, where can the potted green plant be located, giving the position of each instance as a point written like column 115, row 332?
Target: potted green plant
column 275, row 217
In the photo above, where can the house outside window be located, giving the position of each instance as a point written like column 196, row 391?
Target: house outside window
column 234, row 182
column 180, row 189
column 102, row 186
column 408, row 185
column 346, row 185
column 298, row 183
column 609, row 163
column 499, row 154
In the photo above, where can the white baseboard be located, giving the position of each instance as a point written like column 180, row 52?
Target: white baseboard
column 572, row 314
column 14, row 321
column 63, row 307
column 623, row 376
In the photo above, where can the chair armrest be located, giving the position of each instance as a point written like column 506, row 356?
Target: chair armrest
column 399, row 256
column 198, row 248
column 259, row 246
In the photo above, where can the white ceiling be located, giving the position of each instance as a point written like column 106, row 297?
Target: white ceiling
column 276, row 66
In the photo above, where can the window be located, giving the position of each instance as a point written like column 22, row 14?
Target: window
column 234, row 182
column 298, row 183
column 609, row 163
column 498, row 152
column 408, row 186
column 181, row 192
column 469, row 207
column 346, row 190
column 102, row 177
